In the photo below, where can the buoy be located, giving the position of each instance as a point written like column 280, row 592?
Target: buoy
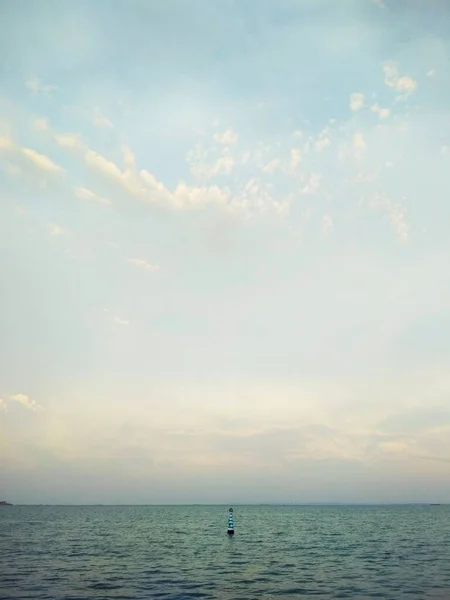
column 230, row 530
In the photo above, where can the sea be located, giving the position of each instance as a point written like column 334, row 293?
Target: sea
column 183, row 552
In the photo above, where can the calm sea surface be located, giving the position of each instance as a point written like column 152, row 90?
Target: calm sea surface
column 137, row 552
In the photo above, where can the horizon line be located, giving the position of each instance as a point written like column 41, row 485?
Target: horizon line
column 220, row 504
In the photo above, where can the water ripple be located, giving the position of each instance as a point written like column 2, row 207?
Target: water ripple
column 169, row 553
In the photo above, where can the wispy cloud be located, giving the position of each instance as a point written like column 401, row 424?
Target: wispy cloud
column 206, row 164
column 116, row 318
column 322, row 142
column 356, row 101
column 358, row 141
column 327, row 225
column 120, row 321
column 313, row 184
column 56, row 230
column 143, row 184
column 85, row 194
column 434, row 458
column 272, row 166
column 395, row 212
column 143, row 264
column 99, row 120
column 105, row 166
column 383, row 113
column 25, row 401
column 404, row 84
column 217, row 161
column 41, row 161
column 296, row 157
column 227, row 138
column 68, row 140
column 41, row 124
column 37, row 86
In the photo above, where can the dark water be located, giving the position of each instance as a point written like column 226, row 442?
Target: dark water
column 118, row 553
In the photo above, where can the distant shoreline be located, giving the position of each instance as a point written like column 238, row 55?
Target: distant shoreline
column 246, row 504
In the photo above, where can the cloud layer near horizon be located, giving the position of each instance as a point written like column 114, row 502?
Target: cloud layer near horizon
column 224, row 253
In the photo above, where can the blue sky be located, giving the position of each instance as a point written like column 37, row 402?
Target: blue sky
column 224, row 251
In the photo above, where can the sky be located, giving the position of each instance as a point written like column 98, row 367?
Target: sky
column 224, row 251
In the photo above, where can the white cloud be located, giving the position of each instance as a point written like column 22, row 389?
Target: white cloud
column 393, row 448
column 223, row 165
column 56, row 230
column 154, row 190
column 313, row 184
column 145, row 185
column 383, row 113
column 36, row 86
column 116, row 319
column 227, row 138
column 296, row 157
column 196, row 159
column 260, row 154
column 327, row 225
column 3, row 405
column 84, row 193
column 358, row 141
column 120, row 321
column 25, row 401
column 272, row 166
column 41, row 161
column 41, row 124
column 255, row 197
column 239, row 198
column 68, row 140
column 99, row 162
column 205, row 164
column 322, row 142
column 141, row 263
column 396, row 214
column 356, row 101
column 403, row 84
column 188, row 197
column 128, row 178
column 129, row 159
column 99, row 120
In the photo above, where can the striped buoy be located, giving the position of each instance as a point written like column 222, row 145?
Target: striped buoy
column 230, row 530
